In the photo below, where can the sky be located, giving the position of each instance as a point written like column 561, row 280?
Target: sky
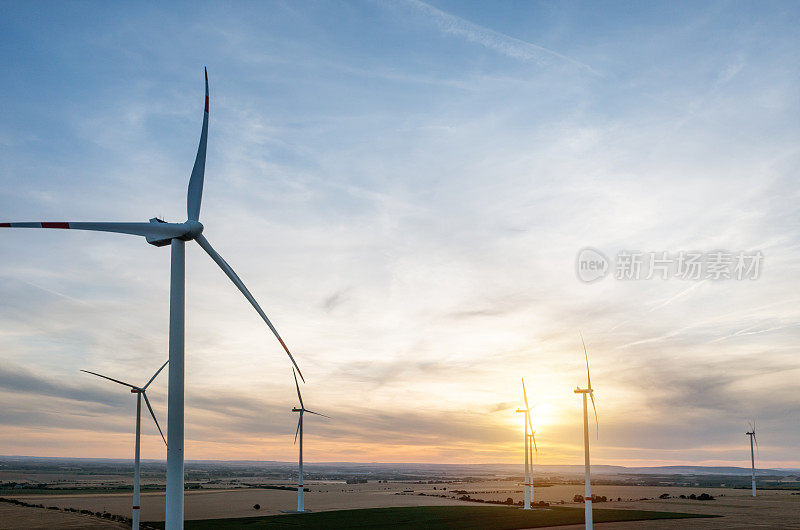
column 405, row 187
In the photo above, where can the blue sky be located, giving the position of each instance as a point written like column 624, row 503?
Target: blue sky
column 404, row 186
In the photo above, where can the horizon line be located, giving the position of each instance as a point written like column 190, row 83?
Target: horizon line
column 335, row 462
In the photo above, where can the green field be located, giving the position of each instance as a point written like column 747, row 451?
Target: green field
column 432, row 517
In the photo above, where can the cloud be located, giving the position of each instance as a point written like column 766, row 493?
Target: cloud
column 503, row 405
column 335, row 299
column 22, row 381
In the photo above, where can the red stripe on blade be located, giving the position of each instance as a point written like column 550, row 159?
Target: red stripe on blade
column 55, row 225
column 5, row 225
column 283, row 344
column 206, row 103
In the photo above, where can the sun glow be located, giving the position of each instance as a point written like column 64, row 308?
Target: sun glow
column 542, row 414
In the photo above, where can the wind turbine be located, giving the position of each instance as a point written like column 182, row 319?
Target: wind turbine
column 161, row 233
column 299, row 431
column 527, row 485
column 587, row 497
column 752, row 435
column 140, row 393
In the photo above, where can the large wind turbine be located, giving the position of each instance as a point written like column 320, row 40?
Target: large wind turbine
column 587, row 496
column 161, row 233
column 527, row 485
column 752, row 435
column 140, row 393
column 302, row 410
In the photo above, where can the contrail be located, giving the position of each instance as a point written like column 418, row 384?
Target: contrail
column 752, row 331
column 494, row 40
column 675, row 297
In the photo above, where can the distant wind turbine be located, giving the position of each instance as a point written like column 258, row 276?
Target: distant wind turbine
column 587, row 497
column 160, row 233
column 527, row 484
column 140, row 393
column 302, row 410
column 752, row 435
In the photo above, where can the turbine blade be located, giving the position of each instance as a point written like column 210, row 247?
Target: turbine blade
column 530, row 424
column 317, row 413
column 298, row 389
column 585, row 354
column 300, row 419
column 525, row 395
column 203, row 242
column 149, row 230
column 755, row 439
column 533, row 437
column 111, row 379
column 597, row 425
column 195, row 194
column 153, row 414
column 155, row 375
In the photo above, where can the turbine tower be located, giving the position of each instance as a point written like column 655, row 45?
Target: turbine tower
column 587, row 496
column 140, row 393
column 531, row 439
column 160, row 233
column 301, row 410
column 752, row 435
column 527, row 484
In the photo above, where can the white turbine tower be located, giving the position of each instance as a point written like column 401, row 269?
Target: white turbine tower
column 140, row 393
column 161, row 233
column 587, row 496
column 531, row 438
column 752, row 435
column 527, row 485
column 302, row 410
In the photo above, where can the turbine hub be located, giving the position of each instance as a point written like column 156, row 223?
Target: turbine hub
column 193, row 229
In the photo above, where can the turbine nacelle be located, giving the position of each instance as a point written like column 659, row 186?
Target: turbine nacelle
column 185, row 231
